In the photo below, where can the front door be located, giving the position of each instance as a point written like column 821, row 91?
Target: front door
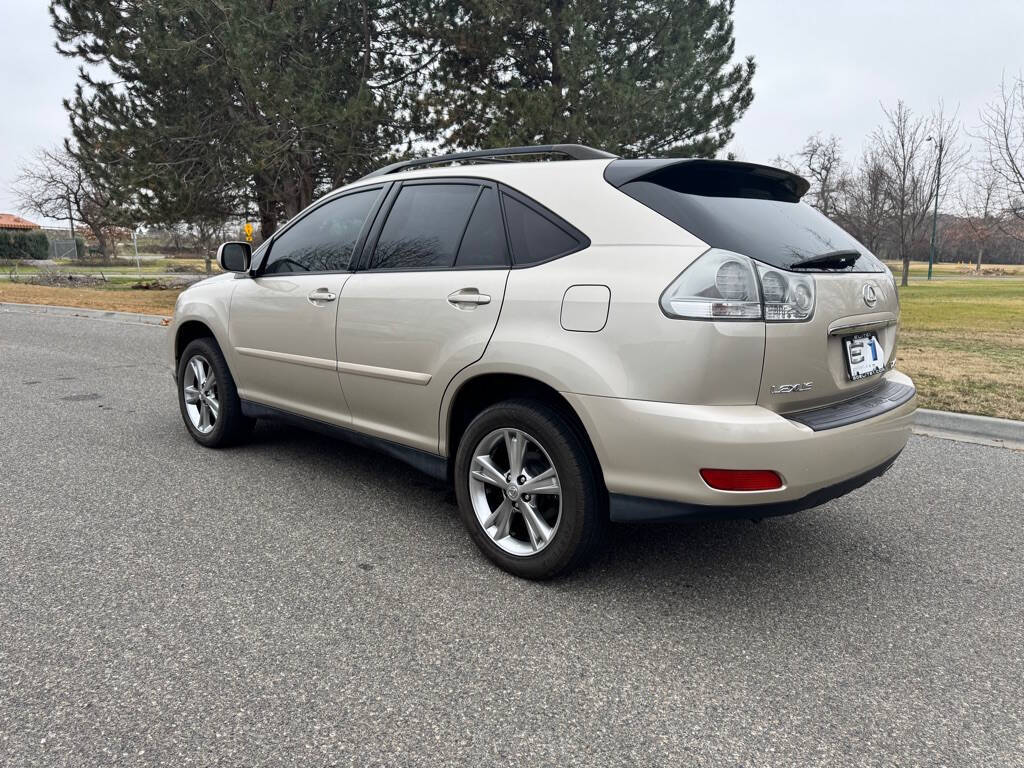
column 282, row 322
column 422, row 308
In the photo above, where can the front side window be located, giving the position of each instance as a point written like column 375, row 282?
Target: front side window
column 425, row 226
column 324, row 239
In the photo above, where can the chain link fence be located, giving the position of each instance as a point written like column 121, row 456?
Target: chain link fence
column 63, row 249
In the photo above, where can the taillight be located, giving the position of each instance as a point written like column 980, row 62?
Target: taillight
column 787, row 297
column 722, row 285
column 741, row 479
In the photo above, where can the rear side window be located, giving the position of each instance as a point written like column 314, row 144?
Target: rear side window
column 322, row 240
column 535, row 237
column 425, row 226
column 484, row 243
column 733, row 208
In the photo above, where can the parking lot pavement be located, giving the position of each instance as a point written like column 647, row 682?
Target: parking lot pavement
column 297, row 601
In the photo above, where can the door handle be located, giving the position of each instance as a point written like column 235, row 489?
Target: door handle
column 321, row 294
column 468, row 297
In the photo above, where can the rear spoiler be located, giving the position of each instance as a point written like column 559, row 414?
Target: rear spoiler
column 714, row 178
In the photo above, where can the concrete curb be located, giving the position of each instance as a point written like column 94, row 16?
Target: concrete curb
column 137, row 318
column 947, row 424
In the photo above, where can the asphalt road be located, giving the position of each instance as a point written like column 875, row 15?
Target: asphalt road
column 297, row 601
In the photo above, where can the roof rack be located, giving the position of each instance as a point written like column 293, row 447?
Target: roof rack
column 572, row 151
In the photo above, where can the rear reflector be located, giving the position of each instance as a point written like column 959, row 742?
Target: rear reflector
column 741, row 479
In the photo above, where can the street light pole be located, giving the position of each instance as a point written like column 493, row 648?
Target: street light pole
column 935, row 213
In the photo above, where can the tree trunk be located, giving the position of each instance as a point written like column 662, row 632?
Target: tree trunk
column 265, row 207
column 557, row 101
column 981, row 252
column 298, row 190
column 104, row 242
column 905, row 258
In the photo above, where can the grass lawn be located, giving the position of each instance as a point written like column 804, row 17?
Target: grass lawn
column 962, row 341
column 119, row 298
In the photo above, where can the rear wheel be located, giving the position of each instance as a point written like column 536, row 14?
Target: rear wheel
column 528, row 489
column 208, row 398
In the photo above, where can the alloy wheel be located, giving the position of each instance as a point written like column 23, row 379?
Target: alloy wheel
column 199, row 390
column 515, row 491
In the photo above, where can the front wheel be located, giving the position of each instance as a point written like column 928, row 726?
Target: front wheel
column 528, row 489
column 207, row 396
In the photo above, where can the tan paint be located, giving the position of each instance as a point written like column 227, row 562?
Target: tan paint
column 284, row 357
column 291, row 358
column 585, row 308
column 402, row 324
column 640, row 353
column 656, row 450
column 811, row 352
column 206, row 302
column 392, row 374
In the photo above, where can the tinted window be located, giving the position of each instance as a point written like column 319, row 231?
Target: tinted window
column 323, row 240
column 425, row 226
column 779, row 232
column 484, row 245
column 533, row 237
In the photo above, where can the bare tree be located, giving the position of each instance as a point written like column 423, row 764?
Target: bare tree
column 55, row 186
column 866, row 208
column 980, row 203
column 1002, row 134
column 822, row 163
column 951, row 159
column 903, row 148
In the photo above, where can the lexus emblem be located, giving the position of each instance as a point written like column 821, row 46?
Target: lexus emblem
column 870, row 295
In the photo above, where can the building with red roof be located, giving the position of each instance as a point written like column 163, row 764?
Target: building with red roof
column 8, row 221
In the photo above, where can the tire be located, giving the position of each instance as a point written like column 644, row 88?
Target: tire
column 519, row 546
column 226, row 424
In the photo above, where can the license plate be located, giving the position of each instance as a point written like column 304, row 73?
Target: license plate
column 864, row 355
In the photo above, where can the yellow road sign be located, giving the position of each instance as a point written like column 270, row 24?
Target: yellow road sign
column 248, row 232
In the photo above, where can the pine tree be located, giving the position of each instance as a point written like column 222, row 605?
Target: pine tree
column 636, row 77
column 213, row 105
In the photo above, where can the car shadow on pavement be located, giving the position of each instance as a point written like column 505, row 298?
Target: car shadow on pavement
column 815, row 552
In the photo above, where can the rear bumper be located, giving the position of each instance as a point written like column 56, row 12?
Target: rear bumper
column 651, row 455
column 636, row 509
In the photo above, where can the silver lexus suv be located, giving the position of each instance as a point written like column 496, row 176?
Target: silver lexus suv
column 568, row 343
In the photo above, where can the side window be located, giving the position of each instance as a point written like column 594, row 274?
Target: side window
column 424, row 227
column 484, row 244
column 323, row 240
column 534, row 237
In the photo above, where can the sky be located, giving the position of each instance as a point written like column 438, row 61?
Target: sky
column 827, row 66
column 822, row 66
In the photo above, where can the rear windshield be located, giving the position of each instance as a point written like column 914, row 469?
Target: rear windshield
column 745, row 214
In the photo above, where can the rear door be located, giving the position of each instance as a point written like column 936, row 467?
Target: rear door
column 756, row 211
column 422, row 306
column 282, row 322
column 808, row 365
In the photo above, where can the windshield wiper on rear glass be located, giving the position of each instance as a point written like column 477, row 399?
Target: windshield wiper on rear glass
column 830, row 260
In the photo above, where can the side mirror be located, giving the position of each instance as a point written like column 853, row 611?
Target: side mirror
column 234, row 257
